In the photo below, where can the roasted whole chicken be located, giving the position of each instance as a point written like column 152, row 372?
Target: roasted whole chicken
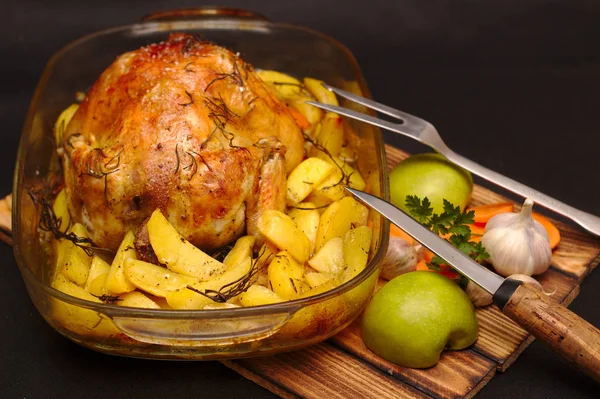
column 184, row 126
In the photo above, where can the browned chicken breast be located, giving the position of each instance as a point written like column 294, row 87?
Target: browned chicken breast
column 184, row 126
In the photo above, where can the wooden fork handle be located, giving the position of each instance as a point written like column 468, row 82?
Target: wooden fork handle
column 563, row 331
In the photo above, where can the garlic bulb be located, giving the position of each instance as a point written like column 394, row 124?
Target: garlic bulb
column 401, row 257
column 517, row 243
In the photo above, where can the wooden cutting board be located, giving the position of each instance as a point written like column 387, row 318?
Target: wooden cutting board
column 343, row 367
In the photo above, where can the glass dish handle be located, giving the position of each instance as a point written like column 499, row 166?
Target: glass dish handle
column 209, row 331
column 206, row 12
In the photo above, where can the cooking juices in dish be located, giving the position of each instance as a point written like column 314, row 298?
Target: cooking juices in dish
column 93, row 303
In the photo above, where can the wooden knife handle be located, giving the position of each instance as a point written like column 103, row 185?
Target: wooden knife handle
column 562, row 330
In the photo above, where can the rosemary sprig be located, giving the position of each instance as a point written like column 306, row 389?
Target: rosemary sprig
column 345, row 179
column 300, row 86
column 234, row 288
column 110, row 299
column 190, row 99
column 187, row 67
column 193, row 164
column 96, row 167
column 235, row 76
column 49, row 222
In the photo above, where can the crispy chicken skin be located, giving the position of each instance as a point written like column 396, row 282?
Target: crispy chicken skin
column 185, row 126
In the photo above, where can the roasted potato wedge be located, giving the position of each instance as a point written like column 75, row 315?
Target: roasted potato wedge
column 329, row 137
column 330, row 258
column 77, row 263
column 285, row 276
column 307, row 175
column 285, row 85
column 312, row 114
column 355, row 179
column 340, row 217
column 306, row 218
column 316, row 88
column 281, row 230
column 177, row 253
column 257, row 295
column 153, row 279
column 331, row 189
column 61, row 123
column 97, row 286
column 76, row 318
column 184, row 298
column 314, row 279
column 98, row 267
column 357, row 243
column 241, row 250
column 59, row 207
column 116, row 282
column 136, row 299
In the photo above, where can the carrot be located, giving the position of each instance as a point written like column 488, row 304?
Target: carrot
column 398, row 232
column 483, row 213
column 477, row 231
column 553, row 233
column 427, row 255
column 300, row 119
column 422, row 265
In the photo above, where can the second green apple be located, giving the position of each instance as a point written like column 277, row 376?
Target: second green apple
column 415, row 316
column 432, row 176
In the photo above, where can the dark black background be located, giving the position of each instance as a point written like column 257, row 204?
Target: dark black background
column 511, row 84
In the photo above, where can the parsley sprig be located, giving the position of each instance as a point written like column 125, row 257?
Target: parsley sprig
column 452, row 223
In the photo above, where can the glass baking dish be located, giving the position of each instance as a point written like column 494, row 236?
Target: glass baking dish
column 198, row 334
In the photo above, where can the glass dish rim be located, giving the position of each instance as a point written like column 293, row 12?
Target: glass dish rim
column 115, row 310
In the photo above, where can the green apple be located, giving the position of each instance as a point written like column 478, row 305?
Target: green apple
column 432, row 176
column 415, row 316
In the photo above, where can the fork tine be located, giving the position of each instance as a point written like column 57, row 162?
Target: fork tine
column 358, row 116
column 384, row 109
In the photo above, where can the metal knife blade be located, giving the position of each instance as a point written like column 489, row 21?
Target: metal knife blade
column 481, row 276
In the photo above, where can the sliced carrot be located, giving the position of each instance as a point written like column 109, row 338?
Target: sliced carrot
column 427, row 255
column 398, row 232
column 477, row 231
column 422, row 265
column 553, row 233
column 300, row 119
column 483, row 213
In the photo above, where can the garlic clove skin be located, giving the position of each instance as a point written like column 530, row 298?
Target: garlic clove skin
column 401, row 257
column 532, row 283
column 517, row 243
column 478, row 296
column 528, row 281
